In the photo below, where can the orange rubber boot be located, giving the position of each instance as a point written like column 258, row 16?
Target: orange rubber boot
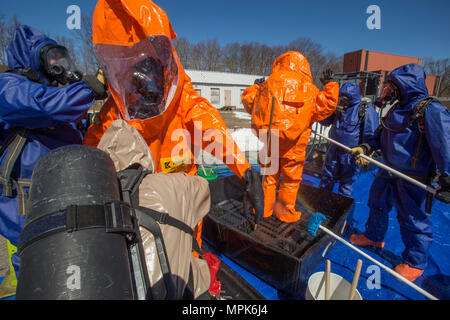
column 286, row 213
column 408, row 272
column 270, row 194
column 287, row 197
column 362, row 241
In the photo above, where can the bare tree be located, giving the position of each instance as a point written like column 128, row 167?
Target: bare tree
column 198, row 59
column 439, row 68
column 252, row 57
column 230, row 57
column 266, row 58
column 212, row 55
column 3, row 41
column 249, row 58
column 7, row 28
column 183, row 48
column 88, row 61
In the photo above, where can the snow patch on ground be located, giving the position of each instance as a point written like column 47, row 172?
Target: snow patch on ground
column 242, row 115
column 244, row 138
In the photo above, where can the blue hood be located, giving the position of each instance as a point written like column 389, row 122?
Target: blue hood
column 23, row 50
column 351, row 90
column 410, row 79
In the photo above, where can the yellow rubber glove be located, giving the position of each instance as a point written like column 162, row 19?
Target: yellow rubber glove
column 356, row 152
column 101, row 76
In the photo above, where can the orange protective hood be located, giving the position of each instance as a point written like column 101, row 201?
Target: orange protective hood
column 292, row 61
column 127, row 23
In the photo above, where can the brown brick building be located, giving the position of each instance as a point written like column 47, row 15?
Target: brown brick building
column 383, row 63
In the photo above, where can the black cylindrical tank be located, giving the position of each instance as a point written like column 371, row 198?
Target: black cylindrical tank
column 89, row 263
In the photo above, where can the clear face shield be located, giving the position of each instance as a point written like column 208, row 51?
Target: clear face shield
column 145, row 75
column 58, row 66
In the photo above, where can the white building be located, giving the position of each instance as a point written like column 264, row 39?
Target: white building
column 225, row 89
column 222, row 89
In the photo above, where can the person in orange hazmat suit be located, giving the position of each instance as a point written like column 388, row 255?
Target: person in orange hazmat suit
column 297, row 104
column 151, row 91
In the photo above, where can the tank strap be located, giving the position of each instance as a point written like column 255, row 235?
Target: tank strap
column 417, row 150
column 418, row 117
column 148, row 222
column 114, row 216
column 22, row 195
column 362, row 119
column 12, row 146
column 164, row 218
column 130, row 179
column 27, row 72
column 419, row 111
column 363, row 106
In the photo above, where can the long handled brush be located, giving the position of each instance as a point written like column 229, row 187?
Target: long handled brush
column 352, row 292
column 315, row 223
column 383, row 166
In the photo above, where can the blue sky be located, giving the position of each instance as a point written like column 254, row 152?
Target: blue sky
column 416, row 28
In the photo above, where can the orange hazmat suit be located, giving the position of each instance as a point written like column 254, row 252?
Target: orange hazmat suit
column 298, row 103
column 151, row 91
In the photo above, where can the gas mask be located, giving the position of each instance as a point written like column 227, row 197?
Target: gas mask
column 58, row 66
column 389, row 95
column 344, row 103
column 143, row 76
column 148, row 78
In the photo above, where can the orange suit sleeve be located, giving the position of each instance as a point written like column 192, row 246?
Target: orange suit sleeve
column 248, row 97
column 326, row 101
column 209, row 132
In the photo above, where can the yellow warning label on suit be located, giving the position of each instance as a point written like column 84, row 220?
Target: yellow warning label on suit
column 174, row 164
column 9, row 284
column 11, row 250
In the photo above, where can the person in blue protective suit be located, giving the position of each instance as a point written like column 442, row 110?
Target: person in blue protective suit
column 42, row 96
column 414, row 138
column 353, row 123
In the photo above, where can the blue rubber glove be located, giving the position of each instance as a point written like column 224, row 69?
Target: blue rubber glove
column 315, row 222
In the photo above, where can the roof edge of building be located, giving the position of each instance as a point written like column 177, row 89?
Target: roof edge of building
column 392, row 54
column 224, row 72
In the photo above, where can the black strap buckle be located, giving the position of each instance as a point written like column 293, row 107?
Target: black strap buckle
column 163, row 218
column 118, row 217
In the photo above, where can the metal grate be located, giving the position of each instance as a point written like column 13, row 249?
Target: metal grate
column 291, row 238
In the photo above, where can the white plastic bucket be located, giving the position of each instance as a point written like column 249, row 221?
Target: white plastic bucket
column 339, row 287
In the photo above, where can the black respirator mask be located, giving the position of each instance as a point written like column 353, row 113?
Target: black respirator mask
column 58, row 66
column 344, row 103
column 148, row 78
column 389, row 95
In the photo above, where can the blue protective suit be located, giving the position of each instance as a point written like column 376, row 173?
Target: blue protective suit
column 398, row 149
column 348, row 129
column 24, row 103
